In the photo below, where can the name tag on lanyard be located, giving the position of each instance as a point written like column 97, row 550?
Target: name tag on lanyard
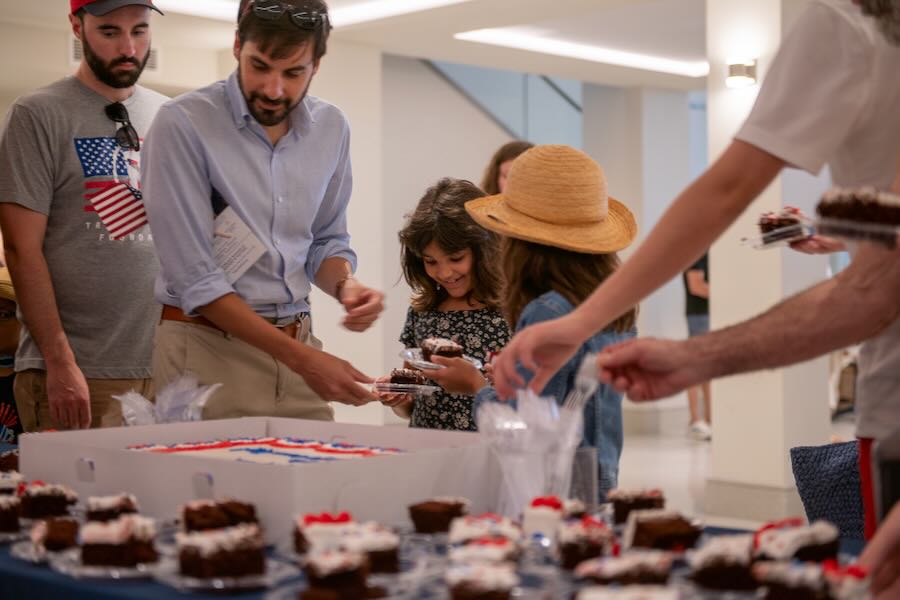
column 235, row 247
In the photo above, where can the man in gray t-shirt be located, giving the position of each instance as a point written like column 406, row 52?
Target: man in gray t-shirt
column 78, row 247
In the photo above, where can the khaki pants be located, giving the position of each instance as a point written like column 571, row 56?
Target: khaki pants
column 254, row 383
column 34, row 409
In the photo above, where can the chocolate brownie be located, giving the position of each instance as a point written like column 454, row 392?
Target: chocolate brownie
column 408, row 377
column 626, row 500
column 440, row 347
column 436, row 514
column 660, row 530
column 203, row 515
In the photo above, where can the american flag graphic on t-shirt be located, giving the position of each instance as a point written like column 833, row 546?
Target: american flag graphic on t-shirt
column 119, row 205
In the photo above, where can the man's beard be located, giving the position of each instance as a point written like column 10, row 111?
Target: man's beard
column 887, row 13
column 104, row 72
column 268, row 117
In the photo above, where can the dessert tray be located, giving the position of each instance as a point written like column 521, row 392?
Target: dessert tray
column 414, row 357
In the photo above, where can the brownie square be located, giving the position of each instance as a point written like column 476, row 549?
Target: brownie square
column 435, row 516
column 129, row 554
column 61, row 534
column 239, row 562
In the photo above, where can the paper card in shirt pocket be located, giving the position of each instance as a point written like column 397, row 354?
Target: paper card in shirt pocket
column 235, row 247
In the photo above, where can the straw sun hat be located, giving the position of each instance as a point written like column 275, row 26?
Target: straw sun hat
column 556, row 196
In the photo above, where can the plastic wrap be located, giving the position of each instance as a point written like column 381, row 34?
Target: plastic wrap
column 181, row 400
column 533, row 445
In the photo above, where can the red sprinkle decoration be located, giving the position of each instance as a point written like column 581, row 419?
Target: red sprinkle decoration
column 591, row 522
column 489, row 517
column 491, row 541
column 548, row 501
column 783, row 524
column 327, row 518
column 832, row 567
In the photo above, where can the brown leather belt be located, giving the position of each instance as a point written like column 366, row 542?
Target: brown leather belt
column 173, row 313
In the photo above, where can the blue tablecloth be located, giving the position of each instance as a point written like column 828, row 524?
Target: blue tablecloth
column 19, row 579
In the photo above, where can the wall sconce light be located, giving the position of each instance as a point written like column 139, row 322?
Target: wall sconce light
column 741, row 75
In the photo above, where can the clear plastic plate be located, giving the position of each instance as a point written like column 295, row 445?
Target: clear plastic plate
column 69, row 563
column 27, row 551
column 414, row 357
column 405, row 388
column 7, row 537
column 780, row 237
column 879, row 233
column 276, row 573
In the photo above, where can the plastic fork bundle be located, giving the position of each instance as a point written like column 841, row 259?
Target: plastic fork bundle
column 535, row 440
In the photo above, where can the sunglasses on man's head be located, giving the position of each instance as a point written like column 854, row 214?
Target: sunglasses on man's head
column 126, row 135
column 272, row 10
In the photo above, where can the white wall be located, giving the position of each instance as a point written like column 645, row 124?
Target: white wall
column 784, row 407
column 642, row 139
column 350, row 76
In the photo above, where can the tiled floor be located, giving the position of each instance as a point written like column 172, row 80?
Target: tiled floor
column 679, row 465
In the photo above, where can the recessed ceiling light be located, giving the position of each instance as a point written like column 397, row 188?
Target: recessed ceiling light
column 527, row 40
column 224, row 10
column 348, row 14
column 372, row 10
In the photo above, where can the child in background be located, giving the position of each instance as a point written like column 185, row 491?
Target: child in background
column 494, row 179
column 560, row 237
column 451, row 265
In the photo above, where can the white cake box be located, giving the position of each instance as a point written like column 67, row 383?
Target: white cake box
column 436, row 463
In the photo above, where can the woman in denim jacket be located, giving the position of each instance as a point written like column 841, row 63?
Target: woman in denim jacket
column 560, row 234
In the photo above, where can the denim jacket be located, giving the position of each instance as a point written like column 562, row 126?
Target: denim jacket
column 603, row 412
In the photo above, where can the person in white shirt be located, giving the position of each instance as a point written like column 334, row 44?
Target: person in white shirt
column 830, row 97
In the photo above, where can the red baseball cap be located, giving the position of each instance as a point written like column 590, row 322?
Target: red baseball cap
column 98, row 8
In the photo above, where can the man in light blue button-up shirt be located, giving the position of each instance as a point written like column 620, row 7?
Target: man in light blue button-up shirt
column 257, row 148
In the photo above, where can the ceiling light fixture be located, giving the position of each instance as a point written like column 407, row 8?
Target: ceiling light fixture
column 348, row 14
column 524, row 40
column 741, row 74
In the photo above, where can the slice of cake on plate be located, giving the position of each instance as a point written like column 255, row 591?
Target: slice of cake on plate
column 723, row 563
column 337, row 575
column 639, row 567
column 9, row 514
column 660, row 530
column 378, row 543
column 486, row 550
column 578, row 541
column 54, row 535
column 626, row 500
column 435, row 514
column 792, row 539
column 322, row 531
column 435, row 346
column 108, row 508
column 407, row 377
column 481, row 581
column 231, row 552
column 124, row 542
column 202, row 515
column 463, row 529
column 40, row 500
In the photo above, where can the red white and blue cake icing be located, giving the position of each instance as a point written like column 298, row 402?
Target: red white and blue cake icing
column 271, row 450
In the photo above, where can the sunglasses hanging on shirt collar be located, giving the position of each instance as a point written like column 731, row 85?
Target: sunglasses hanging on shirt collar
column 272, row 10
column 126, row 135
